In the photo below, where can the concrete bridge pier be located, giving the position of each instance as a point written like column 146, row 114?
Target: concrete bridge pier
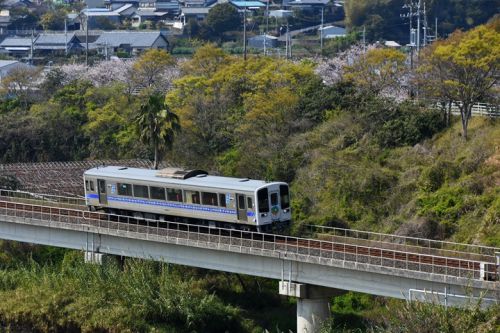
column 92, row 246
column 93, row 257
column 313, row 304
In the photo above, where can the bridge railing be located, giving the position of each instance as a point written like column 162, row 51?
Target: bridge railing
column 316, row 251
column 414, row 244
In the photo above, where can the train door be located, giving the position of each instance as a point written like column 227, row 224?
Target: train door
column 250, row 210
column 275, row 206
column 241, row 207
column 101, row 188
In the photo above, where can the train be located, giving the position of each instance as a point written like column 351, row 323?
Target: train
column 189, row 196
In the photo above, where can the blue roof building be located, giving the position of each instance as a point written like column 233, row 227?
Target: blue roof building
column 248, row 4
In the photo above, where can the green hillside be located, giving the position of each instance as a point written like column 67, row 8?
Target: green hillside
column 441, row 188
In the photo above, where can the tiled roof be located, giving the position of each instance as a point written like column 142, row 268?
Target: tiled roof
column 195, row 10
column 136, row 39
column 55, row 38
column 16, row 42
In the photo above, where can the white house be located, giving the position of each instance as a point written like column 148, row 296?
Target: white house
column 332, row 31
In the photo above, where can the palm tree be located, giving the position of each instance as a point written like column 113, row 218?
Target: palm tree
column 157, row 125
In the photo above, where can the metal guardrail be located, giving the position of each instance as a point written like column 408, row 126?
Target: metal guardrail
column 292, row 248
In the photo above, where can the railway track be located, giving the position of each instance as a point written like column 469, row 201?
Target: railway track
column 482, row 268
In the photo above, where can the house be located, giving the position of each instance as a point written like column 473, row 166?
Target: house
column 132, row 42
column 198, row 13
column 57, row 43
column 257, row 42
column 95, row 3
column 393, row 44
column 72, row 21
column 248, row 5
column 198, row 3
column 92, row 35
column 98, row 18
column 126, row 10
column 331, row 31
column 172, row 7
column 8, row 65
column 305, row 4
column 280, row 13
column 4, row 20
column 17, row 46
column 142, row 15
column 115, row 4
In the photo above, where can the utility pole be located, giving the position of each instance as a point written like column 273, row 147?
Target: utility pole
column 66, row 37
column 425, row 26
column 418, row 27
column 321, row 31
column 32, row 46
column 436, row 28
column 245, row 32
column 267, row 27
column 288, row 41
column 411, row 13
column 364, row 39
column 87, row 41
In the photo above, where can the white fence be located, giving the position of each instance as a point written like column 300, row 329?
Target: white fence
column 479, row 109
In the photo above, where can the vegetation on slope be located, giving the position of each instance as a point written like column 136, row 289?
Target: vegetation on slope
column 139, row 296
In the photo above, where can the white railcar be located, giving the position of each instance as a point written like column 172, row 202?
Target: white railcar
column 188, row 196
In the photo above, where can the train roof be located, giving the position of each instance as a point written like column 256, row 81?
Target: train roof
column 199, row 178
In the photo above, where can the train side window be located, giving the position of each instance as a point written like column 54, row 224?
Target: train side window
column 174, row 194
column 241, row 202
column 222, row 200
column 249, row 203
column 92, row 185
column 157, row 193
column 192, row 196
column 284, row 196
column 263, row 200
column 87, row 186
column 208, row 198
column 141, row 191
column 124, row 189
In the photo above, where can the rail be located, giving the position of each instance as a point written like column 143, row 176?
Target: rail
column 31, row 197
column 411, row 243
column 293, row 248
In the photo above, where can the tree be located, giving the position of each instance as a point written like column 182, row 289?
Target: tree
column 223, row 17
column 53, row 20
column 206, row 61
column 157, row 125
column 378, row 71
column 21, row 83
column 154, row 70
column 110, row 129
column 463, row 68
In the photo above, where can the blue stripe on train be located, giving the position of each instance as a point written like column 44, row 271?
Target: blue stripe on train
column 170, row 205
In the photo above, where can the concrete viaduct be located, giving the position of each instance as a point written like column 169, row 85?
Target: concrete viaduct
column 311, row 269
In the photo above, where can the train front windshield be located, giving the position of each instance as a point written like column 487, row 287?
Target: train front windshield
column 266, row 201
column 284, row 197
column 263, row 201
